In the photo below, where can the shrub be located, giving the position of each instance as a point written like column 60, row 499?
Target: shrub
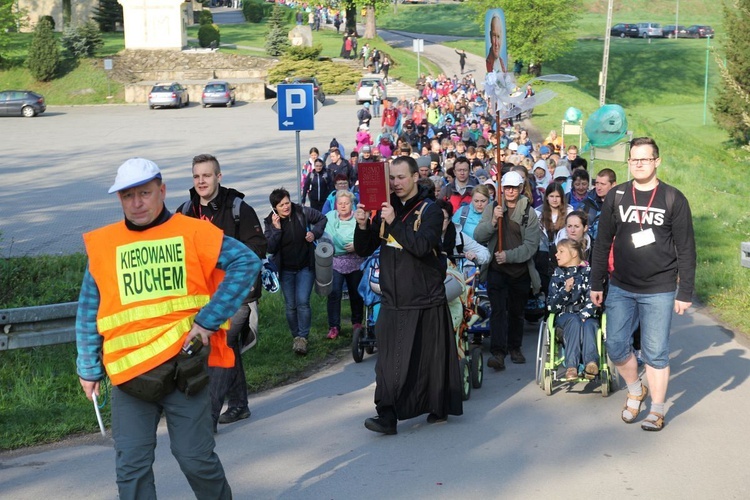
column 253, row 11
column 335, row 78
column 299, row 53
column 83, row 40
column 208, row 33
column 205, row 17
column 50, row 19
column 43, row 60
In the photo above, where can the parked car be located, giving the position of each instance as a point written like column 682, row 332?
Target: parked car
column 650, row 30
column 171, row 95
column 700, row 31
column 364, row 87
column 317, row 90
column 21, row 103
column 218, row 92
column 624, row 29
column 670, row 30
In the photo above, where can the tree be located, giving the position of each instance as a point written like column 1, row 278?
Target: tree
column 277, row 41
column 536, row 30
column 108, row 14
column 83, row 40
column 10, row 19
column 371, row 8
column 732, row 105
column 44, row 54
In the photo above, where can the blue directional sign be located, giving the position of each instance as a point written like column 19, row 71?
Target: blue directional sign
column 296, row 106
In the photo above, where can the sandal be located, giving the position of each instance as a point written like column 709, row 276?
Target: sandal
column 571, row 373
column 653, row 424
column 634, row 410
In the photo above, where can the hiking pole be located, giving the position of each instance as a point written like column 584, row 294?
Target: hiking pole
column 98, row 414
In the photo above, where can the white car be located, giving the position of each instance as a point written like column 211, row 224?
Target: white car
column 364, row 87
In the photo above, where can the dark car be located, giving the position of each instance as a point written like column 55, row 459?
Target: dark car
column 171, row 95
column 317, row 89
column 21, row 103
column 700, row 31
column 625, row 29
column 218, row 92
column 670, row 31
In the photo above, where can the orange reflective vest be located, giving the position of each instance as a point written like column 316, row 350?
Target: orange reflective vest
column 152, row 284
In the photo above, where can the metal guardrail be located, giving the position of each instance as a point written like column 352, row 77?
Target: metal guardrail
column 37, row 326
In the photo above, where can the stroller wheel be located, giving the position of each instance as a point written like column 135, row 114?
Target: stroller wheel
column 358, row 350
column 477, row 368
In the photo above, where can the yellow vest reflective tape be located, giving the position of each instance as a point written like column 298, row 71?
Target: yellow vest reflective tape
column 151, row 311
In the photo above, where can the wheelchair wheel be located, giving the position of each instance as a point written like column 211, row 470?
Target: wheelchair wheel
column 539, row 368
column 605, row 382
column 477, row 367
column 548, row 382
column 358, row 351
column 465, row 368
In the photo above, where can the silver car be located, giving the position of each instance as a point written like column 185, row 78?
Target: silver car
column 171, row 95
column 218, row 92
column 650, row 30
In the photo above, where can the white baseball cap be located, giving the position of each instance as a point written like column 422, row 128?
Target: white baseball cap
column 135, row 172
column 512, row 179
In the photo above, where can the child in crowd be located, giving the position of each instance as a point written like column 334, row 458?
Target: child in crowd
column 569, row 300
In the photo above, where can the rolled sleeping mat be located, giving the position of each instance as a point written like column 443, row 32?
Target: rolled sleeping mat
column 454, row 285
column 323, row 268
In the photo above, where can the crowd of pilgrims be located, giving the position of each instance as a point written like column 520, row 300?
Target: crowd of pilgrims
column 463, row 154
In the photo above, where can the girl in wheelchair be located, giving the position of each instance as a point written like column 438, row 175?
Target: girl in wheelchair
column 569, row 300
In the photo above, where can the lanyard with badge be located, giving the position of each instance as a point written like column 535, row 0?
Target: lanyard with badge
column 644, row 236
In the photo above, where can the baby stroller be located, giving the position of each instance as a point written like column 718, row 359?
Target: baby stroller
column 460, row 286
column 363, row 339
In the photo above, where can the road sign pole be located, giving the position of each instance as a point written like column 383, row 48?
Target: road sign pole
column 299, row 169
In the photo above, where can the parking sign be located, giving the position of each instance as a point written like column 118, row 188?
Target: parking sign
column 296, row 106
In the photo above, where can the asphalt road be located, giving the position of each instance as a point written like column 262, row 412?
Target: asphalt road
column 307, row 440
column 58, row 167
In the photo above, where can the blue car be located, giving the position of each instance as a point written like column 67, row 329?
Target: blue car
column 218, row 92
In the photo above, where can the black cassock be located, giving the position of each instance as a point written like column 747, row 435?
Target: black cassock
column 417, row 369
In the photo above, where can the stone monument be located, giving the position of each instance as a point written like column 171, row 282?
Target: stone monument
column 301, row 36
column 154, row 24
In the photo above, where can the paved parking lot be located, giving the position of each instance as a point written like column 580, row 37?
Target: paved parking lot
column 57, row 167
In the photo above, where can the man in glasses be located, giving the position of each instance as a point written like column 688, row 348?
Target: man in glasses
column 459, row 191
column 649, row 226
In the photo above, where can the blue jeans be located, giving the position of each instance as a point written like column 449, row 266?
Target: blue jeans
column 580, row 337
column 355, row 301
column 297, row 287
column 624, row 311
column 375, row 106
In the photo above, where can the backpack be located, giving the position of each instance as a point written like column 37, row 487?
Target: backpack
column 464, row 215
column 236, row 204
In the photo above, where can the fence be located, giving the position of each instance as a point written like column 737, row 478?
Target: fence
column 37, row 326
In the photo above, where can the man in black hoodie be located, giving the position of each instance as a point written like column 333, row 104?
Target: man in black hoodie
column 212, row 202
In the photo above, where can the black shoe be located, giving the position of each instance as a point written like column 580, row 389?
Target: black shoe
column 434, row 418
column 517, row 356
column 381, row 425
column 233, row 415
column 496, row 361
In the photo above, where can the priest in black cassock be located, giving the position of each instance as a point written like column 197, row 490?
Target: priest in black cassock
column 417, row 369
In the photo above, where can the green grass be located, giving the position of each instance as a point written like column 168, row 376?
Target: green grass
column 41, row 400
column 441, row 19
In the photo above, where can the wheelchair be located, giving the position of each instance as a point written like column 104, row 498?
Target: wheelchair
column 550, row 359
